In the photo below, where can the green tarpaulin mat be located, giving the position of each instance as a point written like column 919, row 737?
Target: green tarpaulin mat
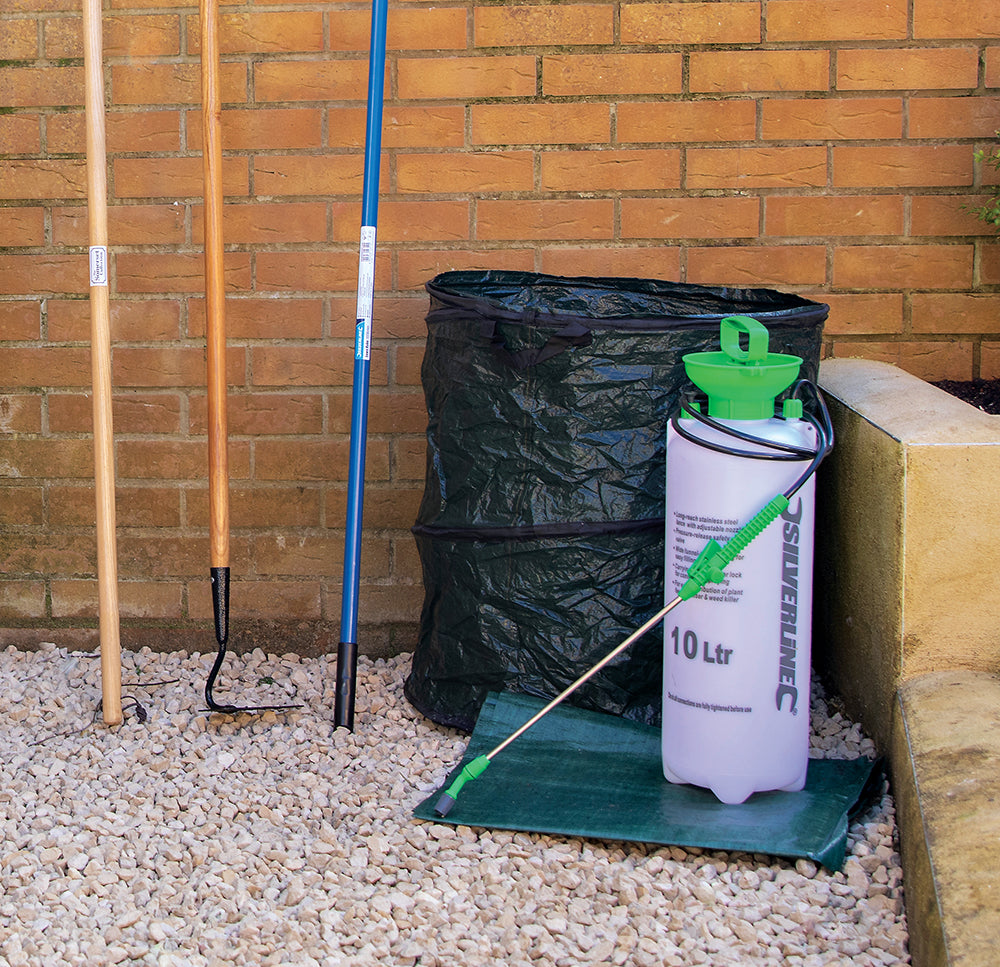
column 589, row 774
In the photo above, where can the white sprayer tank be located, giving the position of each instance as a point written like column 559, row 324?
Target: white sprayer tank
column 736, row 668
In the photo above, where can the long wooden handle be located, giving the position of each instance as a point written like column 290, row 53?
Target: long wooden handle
column 215, row 287
column 100, row 342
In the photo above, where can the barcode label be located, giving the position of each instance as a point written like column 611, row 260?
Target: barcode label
column 98, row 265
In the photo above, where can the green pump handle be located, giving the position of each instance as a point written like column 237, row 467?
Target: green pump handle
column 756, row 332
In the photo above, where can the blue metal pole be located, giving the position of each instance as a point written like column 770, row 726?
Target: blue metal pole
column 347, row 655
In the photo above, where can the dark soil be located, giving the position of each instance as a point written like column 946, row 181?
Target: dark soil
column 981, row 393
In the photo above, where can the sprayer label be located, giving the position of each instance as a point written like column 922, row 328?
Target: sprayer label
column 98, row 265
column 366, row 293
column 788, row 645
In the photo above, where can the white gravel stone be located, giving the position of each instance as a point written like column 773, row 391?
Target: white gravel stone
column 197, row 840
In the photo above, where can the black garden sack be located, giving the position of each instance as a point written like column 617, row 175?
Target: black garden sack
column 540, row 532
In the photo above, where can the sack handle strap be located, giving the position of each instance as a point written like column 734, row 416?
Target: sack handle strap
column 573, row 333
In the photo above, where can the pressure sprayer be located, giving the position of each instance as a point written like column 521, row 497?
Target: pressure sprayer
column 802, row 449
column 736, row 667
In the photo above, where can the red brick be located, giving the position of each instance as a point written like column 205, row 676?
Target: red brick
column 415, row 221
column 175, row 177
column 585, row 171
column 863, row 313
column 790, row 21
column 955, row 312
column 48, row 554
column 261, row 506
column 427, row 28
column 578, row 75
column 175, row 459
column 22, row 275
column 42, row 458
column 891, row 166
column 136, row 599
column 989, row 265
column 259, row 223
column 466, row 77
column 307, row 460
column 946, row 215
column 989, row 360
column 902, row 266
column 167, row 366
column 687, row 122
column 263, row 318
column 131, row 413
column 70, row 321
column 690, row 23
column 20, row 413
column 72, row 505
column 262, row 128
column 584, row 123
column 291, row 31
column 22, row 226
column 833, row 215
column 262, row 414
column 869, row 69
column 735, row 71
column 19, row 134
column 289, row 175
column 454, row 172
column 974, row 116
column 149, row 130
column 650, row 261
column 775, row 167
column 302, row 365
column 931, row 360
column 822, row 119
column 311, row 556
column 674, row 218
column 20, row 320
column 161, row 84
column 395, row 506
column 992, row 67
column 330, row 80
column 40, row 178
column 127, row 225
column 324, row 271
column 773, row 265
column 411, row 460
column 416, row 267
column 935, row 20
column 133, row 35
column 22, row 599
column 397, row 412
column 20, row 39
column 158, row 556
column 181, row 272
column 524, row 26
column 41, row 86
column 430, row 126
column 545, row 219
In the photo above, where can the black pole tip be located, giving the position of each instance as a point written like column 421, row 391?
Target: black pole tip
column 444, row 804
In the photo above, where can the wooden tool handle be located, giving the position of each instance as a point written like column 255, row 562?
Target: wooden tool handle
column 100, row 341
column 215, row 286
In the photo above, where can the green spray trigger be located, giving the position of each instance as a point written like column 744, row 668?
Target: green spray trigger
column 711, row 563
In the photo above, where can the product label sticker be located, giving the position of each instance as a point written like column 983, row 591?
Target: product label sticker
column 98, row 265
column 366, row 293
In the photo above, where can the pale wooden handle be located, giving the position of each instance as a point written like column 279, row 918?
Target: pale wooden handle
column 215, row 289
column 100, row 342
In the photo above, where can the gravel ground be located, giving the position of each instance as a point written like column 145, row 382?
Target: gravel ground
column 191, row 839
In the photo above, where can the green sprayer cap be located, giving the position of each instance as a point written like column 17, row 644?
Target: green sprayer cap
column 741, row 384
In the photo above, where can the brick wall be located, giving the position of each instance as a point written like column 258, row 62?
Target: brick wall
column 819, row 146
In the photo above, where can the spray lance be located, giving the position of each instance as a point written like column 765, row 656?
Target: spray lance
column 708, row 566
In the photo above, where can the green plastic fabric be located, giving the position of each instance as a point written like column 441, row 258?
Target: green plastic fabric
column 588, row 774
